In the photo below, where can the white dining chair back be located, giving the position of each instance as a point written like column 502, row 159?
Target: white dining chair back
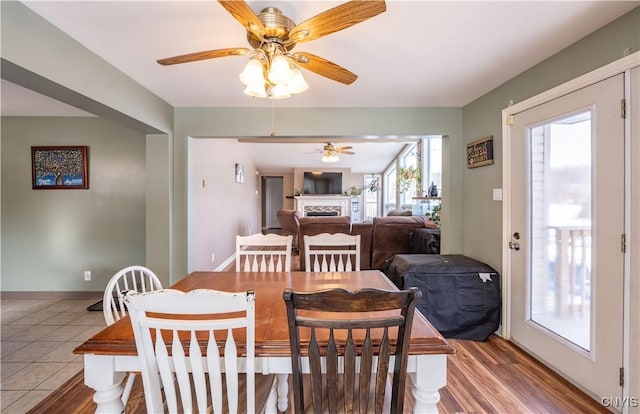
column 131, row 278
column 137, row 278
column 263, row 253
column 336, row 252
column 191, row 342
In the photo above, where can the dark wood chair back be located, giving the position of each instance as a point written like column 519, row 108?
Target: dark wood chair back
column 339, row 325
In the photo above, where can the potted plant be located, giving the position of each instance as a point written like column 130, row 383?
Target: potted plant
column 407, row 176
column 434, row 215
column 354, row 191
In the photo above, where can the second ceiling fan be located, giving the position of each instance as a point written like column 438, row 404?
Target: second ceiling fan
column 273, row 66
column 330, row 152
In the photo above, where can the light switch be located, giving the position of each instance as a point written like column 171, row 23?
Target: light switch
column 497, row 194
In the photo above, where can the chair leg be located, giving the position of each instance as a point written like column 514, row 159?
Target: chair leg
column 127, row 387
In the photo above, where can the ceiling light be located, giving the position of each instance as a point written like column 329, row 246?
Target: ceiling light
column 270, row 73
column 256, row 90
column 279, row 92
column 252, row 73
column 280, row 72
column 297, row 83
column 330, row 158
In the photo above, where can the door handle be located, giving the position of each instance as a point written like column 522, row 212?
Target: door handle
column 514, row 246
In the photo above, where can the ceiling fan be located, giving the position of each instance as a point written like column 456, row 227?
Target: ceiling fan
column 272, row 35
column 330, row 152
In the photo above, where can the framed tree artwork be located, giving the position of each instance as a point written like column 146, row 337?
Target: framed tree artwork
column 59, row 167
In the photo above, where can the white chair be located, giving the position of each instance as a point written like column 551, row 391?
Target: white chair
column 136, row 278
column 337, row 252
column 199, row 324
column 263, row 253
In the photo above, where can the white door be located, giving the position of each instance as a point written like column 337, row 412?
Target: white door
column 567, row 220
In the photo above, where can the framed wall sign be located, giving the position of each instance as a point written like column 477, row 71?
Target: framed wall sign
column 480, row 152
column 59, row 168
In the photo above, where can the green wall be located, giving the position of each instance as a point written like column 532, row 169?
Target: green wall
column 482, row 217
column 49, row 237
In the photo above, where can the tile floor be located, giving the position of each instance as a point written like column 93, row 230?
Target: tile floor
column 37, row 340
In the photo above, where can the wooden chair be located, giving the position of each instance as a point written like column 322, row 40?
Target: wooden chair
column 192, row 340
column 135, row 278
column 337, row 252
column 328, row 337
column 263, row 253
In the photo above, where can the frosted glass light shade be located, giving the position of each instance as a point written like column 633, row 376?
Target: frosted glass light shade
column 296, row 83
column 330, row 158
column 280, row 72
column 252, row 73
column 256, row 90
column 279, row 92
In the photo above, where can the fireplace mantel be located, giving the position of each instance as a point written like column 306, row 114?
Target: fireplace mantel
column 340, row 204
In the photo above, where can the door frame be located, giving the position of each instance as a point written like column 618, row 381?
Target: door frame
column 623, row 65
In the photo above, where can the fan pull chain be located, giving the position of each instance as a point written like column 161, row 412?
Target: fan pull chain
column 273, row 118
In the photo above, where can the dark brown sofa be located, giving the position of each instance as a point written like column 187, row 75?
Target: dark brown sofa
column 290, row 224
column 379, row 240
column 321, row 224
column 391, row 236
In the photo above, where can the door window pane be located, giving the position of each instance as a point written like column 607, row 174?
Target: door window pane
column 560, row 227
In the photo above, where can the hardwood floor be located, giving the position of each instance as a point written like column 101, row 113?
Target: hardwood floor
column 483, row 377
column 498, row 377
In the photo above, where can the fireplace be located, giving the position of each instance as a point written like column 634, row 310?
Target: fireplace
column 320, row 213
column 323, row 205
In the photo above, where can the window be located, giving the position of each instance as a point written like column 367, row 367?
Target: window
column 432, row 168
column 426, row 156
column 410, row 159
column 371, row 196
column 390, row 180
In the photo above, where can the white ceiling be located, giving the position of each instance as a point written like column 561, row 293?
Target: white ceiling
column 417, row 53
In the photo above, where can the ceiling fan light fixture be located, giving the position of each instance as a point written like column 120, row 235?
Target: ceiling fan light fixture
column 279, row 92
column 272, row 35
column 296, row 83
column 256, row 90
column 330, row 158
column 280, row 71
column 253, row 73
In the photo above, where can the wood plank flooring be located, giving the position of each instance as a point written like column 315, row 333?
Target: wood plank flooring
column 483, row 377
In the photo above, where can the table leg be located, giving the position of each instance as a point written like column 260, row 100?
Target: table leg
column 272, row 401
column 430, row 376
column 283, row 391
column 100, row 374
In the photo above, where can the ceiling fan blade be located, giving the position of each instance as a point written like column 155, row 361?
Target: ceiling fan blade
column 241, row 11
column 336, row 19
column 347, row 147
column 347, row 152
column 207, row 54
column 325, row 68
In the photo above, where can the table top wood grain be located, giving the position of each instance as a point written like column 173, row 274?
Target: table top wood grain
column 272, row 335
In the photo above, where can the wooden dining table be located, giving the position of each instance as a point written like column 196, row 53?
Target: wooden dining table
column 111, row 353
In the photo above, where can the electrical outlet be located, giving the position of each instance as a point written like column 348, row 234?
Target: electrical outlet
column 87, row 275
column 213, row 257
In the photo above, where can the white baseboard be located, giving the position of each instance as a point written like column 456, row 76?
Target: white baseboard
column 223, row 265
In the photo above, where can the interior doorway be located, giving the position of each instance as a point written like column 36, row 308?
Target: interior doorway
column 272, row 201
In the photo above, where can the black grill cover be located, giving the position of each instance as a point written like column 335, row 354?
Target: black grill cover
column 460, row 296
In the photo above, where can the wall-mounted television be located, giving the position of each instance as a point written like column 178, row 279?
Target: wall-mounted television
column 322, row 183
